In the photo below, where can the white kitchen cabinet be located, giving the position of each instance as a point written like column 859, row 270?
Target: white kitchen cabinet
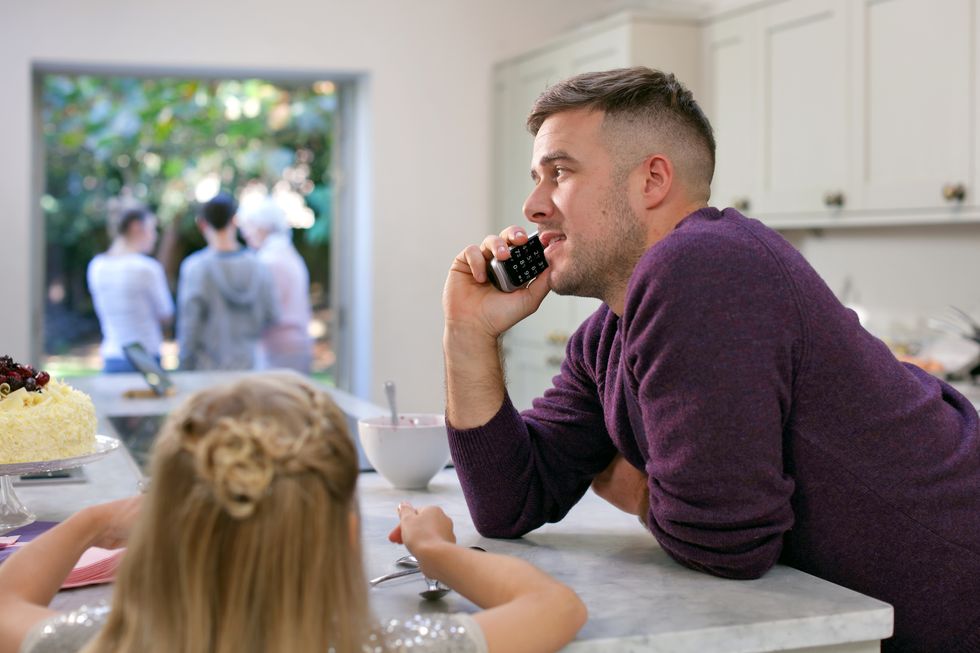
column 534, row 348
column 806, row 130
column 914, row 103
column 846, row 113
column 777, row 97
column 732, row 101
column 529, row 369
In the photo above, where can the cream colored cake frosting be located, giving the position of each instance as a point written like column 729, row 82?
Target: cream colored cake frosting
column 57, row 422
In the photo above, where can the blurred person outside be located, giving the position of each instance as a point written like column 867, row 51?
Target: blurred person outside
column 129, row 289
column 286, row 344
column 225, row 296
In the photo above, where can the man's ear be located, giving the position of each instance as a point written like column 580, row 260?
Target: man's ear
column 201, row 225
column 658, row 178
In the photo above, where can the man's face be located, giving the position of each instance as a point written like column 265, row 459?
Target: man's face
column 591, row 236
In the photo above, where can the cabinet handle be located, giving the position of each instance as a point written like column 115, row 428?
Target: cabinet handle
column 741, row 204
column 834, row 200
column 553, row 361
column 954, row 192
column 557, row 337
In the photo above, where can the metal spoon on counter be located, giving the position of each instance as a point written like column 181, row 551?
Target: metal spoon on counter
column 393, row 575
column 435, row 590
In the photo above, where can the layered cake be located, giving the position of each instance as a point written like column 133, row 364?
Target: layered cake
column 40, row 417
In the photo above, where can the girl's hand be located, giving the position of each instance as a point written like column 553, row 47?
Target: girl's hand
column 114, row 521
column 417, row 528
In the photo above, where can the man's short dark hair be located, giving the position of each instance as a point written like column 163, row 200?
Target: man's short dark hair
column 639, row 98
column 130, row 217
column 219, row 210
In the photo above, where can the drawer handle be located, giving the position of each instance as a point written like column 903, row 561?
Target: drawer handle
column 954, row 192
column 742, row 204
column 834, row 200
column 557, row 337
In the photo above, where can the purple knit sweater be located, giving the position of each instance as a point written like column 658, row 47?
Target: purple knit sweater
column 773, row 427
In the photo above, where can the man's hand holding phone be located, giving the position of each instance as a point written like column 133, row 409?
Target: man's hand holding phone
column 472, row 301
column 476, row 315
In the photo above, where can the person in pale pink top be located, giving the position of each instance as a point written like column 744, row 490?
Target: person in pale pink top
column 286, row 344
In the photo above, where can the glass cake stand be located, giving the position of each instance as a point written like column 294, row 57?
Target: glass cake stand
column 13, row 513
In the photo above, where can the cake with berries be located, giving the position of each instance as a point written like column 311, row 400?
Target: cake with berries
column 42, row 418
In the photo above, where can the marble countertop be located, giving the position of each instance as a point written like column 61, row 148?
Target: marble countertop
column 638, row 598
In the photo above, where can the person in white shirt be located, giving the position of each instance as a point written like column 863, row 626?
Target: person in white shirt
column 129, row 290
column 286, row 344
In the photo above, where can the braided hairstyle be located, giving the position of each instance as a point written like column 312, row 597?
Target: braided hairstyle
column 272, row 428
column 248, row 537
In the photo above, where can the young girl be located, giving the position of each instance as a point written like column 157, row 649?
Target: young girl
column 248, row 540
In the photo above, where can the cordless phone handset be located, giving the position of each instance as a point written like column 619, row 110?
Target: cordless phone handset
column 526, row 262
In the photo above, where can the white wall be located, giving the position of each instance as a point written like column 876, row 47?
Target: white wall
column 429, row 64
column 899, row 275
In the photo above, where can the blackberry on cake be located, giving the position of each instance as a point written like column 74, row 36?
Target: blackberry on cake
column 42, row 418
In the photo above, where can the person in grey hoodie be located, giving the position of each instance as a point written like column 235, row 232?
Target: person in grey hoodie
column 225, row 296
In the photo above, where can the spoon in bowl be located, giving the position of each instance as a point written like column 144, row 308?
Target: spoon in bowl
column 390, row 394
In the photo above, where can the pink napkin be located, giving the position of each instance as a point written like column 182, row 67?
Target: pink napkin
column 95, row 566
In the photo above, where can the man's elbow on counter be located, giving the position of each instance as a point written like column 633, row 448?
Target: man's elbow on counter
column 748, row 565
column 491, row 523
column 498, row 529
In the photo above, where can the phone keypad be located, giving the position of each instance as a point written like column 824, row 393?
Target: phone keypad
column 526, row 261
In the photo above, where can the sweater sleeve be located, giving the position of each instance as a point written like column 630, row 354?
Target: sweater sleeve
column 712, row 333
column 519, row 471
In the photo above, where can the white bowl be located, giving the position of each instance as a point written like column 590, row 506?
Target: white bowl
column 408, row 454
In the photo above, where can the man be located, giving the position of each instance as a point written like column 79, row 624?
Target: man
column 721, row 393
column 225, row 296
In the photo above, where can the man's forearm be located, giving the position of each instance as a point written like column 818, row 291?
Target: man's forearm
column 474, row 378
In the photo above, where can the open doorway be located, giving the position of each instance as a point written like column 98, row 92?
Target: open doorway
column 169, row 141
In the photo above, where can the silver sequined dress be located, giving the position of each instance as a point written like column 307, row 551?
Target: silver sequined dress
column 434, row 633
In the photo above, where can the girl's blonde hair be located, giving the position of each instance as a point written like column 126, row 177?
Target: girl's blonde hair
column 246, row 541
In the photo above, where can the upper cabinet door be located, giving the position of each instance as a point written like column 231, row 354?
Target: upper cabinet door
column 914, row 103
column 603, row 50
column 805, row 157
column 510, row 141
column 731, row 65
